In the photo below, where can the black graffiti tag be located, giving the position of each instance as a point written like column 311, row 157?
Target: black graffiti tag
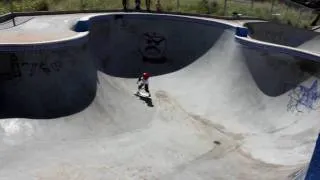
column 56, row 66
column 45, row 68
column 15, row 66
column 31, row 67
column 153, row 47
column 18, row 67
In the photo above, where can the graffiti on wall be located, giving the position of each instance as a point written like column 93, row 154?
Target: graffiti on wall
column 19, row 68
column 153, row 47
column 304, row 98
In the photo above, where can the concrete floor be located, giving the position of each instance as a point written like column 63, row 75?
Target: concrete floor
column 218, row 110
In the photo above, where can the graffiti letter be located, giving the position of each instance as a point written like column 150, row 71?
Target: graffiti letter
column 56, row 66
column 15, row 66
column 33, row 69
column 44, row 68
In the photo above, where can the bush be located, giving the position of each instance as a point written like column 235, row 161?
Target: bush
column 204, row 6
column 260, row 9
column 213, row 7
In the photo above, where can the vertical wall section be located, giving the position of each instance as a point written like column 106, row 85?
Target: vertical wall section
column 313, row 172
column 46, row 83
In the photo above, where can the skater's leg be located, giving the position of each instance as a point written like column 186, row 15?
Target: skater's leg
column 139, row 87
column 124, row 3
column 146, row 87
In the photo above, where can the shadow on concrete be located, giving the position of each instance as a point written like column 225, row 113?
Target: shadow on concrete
column 55, row 83
column 147, row 100
column 276, row 74
column 51, row 110
column 279, row 33
column 127, row 45
column 14, row 22
column 46, row 84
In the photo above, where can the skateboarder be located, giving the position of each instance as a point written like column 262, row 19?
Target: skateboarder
column 138, row 2
column 143, row 81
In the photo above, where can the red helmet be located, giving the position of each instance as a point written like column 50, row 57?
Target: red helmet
column 145, row 75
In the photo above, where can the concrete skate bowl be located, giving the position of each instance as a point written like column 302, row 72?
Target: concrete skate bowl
column 291, row 46
column 49, row 84
column 209, row 120
column 127, row 45
column 285, row 35
column 46, row 83
column 276, row 73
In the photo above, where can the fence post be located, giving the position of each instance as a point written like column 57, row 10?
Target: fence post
column 178, row 5
column 81, row 5
column 11, row 11
column 225, row 8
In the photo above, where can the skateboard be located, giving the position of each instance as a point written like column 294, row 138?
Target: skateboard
column 146, row 97
column 143, row 94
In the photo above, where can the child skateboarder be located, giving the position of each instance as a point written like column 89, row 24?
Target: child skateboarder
column 143, row 81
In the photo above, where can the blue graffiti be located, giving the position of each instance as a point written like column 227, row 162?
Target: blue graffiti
column 303, row 96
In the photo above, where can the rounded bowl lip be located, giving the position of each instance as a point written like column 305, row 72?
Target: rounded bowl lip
column 82, row 37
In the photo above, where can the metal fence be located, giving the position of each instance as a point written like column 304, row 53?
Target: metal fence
column 284, row 11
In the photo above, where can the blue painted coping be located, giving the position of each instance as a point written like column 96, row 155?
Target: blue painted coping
column 82, row 26
column 242, row 31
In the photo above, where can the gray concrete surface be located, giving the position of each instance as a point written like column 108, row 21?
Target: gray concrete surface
column 14, row 22
column 30, row 29
column 219, row 110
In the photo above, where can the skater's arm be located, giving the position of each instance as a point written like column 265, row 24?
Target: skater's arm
column 139, row 79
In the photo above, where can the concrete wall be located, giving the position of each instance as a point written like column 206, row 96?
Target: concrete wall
column 58, row 78
column 279, row 33
column 275, row 48
column 46, row 83
column 126, row 45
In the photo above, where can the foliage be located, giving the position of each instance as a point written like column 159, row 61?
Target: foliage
column 284, row 13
